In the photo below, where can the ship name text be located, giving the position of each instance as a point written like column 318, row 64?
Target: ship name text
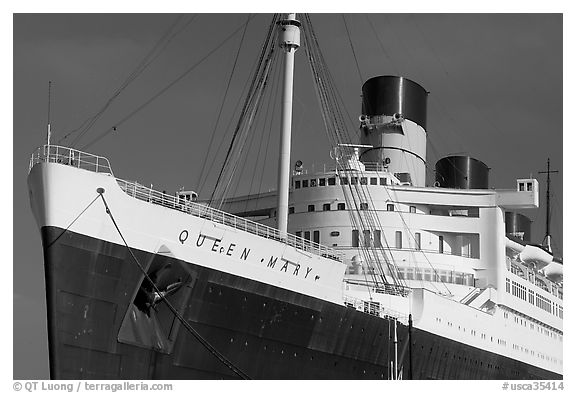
column 241, row 253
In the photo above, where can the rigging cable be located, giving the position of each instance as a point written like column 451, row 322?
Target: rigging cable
column 381, row 45
column 144, row 63
column 336, row 130
column 166, row 88
column 223, row 101
column 227, row 128
column 176, row 313
column 271, row 101
column 353, row 51
column 247, row 114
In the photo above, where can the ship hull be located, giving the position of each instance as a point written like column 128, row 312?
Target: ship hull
column 98, row 327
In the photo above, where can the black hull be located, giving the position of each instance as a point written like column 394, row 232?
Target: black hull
column 98, row 329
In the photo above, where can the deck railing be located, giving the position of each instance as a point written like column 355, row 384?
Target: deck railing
column 68, row 156
column 156, row 197
column 375, row 308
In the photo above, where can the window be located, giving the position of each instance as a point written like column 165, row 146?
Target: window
column 299, row 233
column 322, row 182
column 373, row 181
column 291, row 210
column 331, row 181
column 354, row 180
column 363, row 206
column 363, row 181
column 383, row 181
column 304, row 183
column 377, row 238
column 311, row 208
column 316, row 236
column 307, row 235
column 521, row 186
column 398, row 239
column 390, row 207
column 355, row 238
column 366, row 235
column 412, row 209
column 326, row 207
column 334, row 233
column 344, row 181
column 441, row 244
column 313, row 182
column 528, row 186
column 417, row 240
column 297, row 184
column 341, row 206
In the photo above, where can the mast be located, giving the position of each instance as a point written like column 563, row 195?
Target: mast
column 410, row 376
column 49, row 132
column 289, row 41
column 395, row 350
column 547, row 238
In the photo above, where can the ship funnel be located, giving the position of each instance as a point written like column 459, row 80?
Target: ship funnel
column 518, row 226
column 461, row 172
column 393, row 121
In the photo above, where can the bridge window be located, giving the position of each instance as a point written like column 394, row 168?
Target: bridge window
column 377, row 238
column 373, row 181
column 311, row 208
column 326, row 207
column 344, row 181
column 383, row 181
column 412, row 209
column 355, row 238
column 307, row 235
column 441, row 244
column 398, row 239
column 304, row 183
column 316, row 238
column 390, row 207
column 341, row 206
column 291, row 210
column 363, row 181
column 331, row 181
column 297, row 184
column 363, row 206
column 322, row 182
column 366, row 235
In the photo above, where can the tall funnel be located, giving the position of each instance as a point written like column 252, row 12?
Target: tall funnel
column 393, row 121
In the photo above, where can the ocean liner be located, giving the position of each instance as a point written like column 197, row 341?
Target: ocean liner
column 352, row 270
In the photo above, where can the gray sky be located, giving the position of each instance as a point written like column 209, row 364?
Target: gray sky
column 495, row 83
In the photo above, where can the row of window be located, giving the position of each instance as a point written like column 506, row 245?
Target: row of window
column 436, row 275
column 372, row 238
column 315, row 235
column 541, row 329
column 342, row 206
column 331, row 181
column 503, row 342
column 519, row 271
column 539, row 301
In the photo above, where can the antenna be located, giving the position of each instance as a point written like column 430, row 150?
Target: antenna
column 49, row 133
column 547, row 237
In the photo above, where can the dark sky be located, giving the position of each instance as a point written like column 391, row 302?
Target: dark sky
column 495, row 83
